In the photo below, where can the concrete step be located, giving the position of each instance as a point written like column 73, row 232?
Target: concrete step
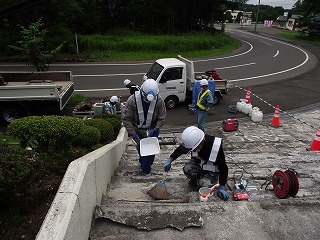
column 255, row 151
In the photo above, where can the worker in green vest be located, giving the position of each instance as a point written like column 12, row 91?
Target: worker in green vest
column 204, row 102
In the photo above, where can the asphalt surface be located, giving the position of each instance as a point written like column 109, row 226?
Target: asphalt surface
column 291, row 93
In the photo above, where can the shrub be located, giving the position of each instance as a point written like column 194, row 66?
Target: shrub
column 46, row 133
column 105, row 128
column 88, row 137
column 18, row 169
column 114, row 120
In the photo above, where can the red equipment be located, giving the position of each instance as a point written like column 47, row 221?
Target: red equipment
column 230, row 124
column 285, row 183
column 240, row 194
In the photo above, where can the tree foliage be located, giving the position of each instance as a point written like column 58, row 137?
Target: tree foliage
column 103, row 16
column 33, row 46
column 310, row 21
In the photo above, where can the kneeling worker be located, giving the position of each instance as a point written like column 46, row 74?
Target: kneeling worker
column 206, row 153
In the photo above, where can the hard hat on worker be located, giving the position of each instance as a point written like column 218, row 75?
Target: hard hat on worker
column 149, row 89
column 204, row 82
column 126, row 82
column 114, row 100
column 192, row 137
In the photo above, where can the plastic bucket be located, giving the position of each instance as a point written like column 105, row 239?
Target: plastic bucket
column 204, row 190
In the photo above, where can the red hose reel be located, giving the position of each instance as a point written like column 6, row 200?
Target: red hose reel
column 285, row 183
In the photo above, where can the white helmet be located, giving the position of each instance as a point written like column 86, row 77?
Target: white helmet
column 204, row 82
column 126, row 82
column 192, row 137
column 149, row 89
column 114, row 99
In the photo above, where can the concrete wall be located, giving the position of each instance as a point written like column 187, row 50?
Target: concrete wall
column 81, row 189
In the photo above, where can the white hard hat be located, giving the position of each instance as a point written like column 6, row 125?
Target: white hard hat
column 192, row 137
column 114, row 99
column 204, row 82
column 126, row 82
column 150, row 89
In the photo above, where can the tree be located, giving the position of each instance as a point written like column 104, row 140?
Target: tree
column 310, row 22
column 33, row 46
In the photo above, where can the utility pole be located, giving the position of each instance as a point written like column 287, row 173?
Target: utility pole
column 255, row 26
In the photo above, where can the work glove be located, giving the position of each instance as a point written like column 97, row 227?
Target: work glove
column 136, row 138
column 222, row 194
column 167, row 165
column 152, row 132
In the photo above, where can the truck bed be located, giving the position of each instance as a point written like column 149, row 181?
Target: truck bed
column 21, row 86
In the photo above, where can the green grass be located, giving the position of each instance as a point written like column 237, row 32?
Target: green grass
column 297, row 35
column 75, row 100
column 145, row 47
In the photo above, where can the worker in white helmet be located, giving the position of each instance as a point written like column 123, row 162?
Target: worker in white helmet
column 204, row 102
column 132, row 87
column 206, row 155
column 110, row 107
column 144, row 113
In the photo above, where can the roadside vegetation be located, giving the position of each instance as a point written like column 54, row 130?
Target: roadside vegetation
column 297, row 35
column 35, row 152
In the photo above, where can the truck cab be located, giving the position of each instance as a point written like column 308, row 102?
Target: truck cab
column 171, row 75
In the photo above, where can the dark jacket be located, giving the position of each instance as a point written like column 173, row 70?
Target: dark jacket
column 204, row 154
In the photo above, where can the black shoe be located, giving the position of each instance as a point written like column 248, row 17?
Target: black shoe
column 142, row 173
column 194, row 184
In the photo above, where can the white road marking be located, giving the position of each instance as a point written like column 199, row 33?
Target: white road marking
column 266, row 43
column 276, row 54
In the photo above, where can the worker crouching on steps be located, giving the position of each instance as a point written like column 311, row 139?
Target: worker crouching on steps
column 206, row 154
column 144, row 111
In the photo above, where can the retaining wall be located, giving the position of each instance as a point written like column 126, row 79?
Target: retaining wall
column 82, row 187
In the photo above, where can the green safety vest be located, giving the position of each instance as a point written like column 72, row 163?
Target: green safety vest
column 200, row 97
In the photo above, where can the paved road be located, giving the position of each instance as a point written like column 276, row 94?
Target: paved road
column 290, row 92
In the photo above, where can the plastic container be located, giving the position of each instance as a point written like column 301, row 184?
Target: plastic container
column 241, row 105
column 252, row 110
column 203, row 198
column 257, row 116
column 98, row 108
column 246, row 108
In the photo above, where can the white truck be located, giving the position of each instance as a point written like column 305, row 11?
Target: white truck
column 28, row 93
column 176, row 77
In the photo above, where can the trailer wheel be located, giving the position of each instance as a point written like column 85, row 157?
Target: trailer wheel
column 217, row 97
column 171, row 102
column 10, row 112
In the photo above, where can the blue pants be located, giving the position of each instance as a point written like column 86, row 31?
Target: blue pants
column 147, row 161
column 202, row 115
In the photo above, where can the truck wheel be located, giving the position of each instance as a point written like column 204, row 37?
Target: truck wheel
column 171, row 102
column 216, row 98
column 10, row 112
